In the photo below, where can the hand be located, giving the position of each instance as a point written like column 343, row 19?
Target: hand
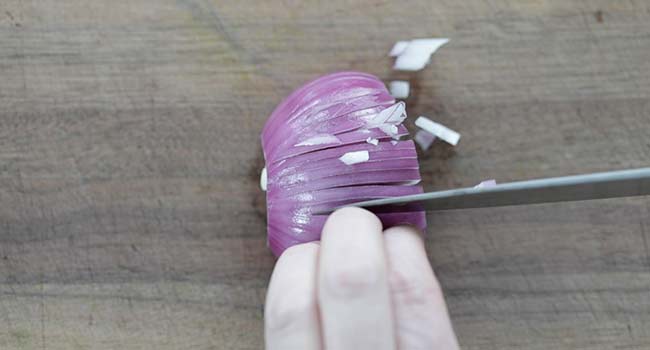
column 358, row 289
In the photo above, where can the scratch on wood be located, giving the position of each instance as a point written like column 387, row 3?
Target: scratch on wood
column 645, row 244
column 22, row 64
column 129, row 299
column 12, row 18
column 213, row 18
column 42, row 305
column 209, row 15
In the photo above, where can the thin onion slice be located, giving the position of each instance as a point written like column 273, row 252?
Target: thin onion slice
column 380, row 177
column 333, row 142
column 315, row 160
column 297, row 176
column 347, row 138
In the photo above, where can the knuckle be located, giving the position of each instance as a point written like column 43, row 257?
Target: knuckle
column 291, row 299
column 414, row 291
column 289, row 311
column 353, row 279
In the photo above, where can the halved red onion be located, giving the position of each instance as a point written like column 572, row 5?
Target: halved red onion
column 307, row 142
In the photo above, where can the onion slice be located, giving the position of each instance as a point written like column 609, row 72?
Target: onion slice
column 333, row 142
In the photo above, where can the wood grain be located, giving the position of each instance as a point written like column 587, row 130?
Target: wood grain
column 130, row 214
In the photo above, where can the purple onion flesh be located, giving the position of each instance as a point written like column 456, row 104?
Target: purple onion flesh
column 303, row 140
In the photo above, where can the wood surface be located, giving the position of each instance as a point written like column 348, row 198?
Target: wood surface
column 130, row 214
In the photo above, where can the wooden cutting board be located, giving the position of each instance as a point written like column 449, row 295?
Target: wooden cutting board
column 130, row 214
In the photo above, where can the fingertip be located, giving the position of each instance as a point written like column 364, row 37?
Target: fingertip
column 357, row 217
column 353, row 255
column 353, row 290
column 404, row 229
column 299, row 251
column 404, row 235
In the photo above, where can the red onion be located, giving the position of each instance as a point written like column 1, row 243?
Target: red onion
column 305, row 140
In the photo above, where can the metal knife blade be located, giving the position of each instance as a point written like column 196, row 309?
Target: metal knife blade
column 623, row 183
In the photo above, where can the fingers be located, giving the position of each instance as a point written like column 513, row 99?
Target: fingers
column 291, row 315
column 421, row 317
column 353, row 289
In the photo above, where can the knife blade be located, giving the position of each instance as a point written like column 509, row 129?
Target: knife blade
column 612, row 184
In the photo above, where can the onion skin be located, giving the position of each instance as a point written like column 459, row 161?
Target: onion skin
column 304, row 176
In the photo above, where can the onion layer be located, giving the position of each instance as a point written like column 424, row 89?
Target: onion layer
column 312, row 145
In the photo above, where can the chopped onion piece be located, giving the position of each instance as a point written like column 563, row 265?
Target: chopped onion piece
column 393, row 115
column 263, row 179
column 438, row 130
column 389, row 129
column 411, row 182
column 319, row 140
column 417, row 54
column 372, row 141
column 398, row 48
column 424, row 139
column 399, row 88
column 394, row 142
column 486, row 183
column 355, row 157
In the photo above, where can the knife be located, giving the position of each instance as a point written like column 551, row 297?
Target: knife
column 613, row 184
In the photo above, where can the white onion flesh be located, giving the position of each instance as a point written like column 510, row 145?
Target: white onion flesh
column 417, row 54
column 319, row 140
column 372, row 141
column 442, row 132
column 486, row 183
column 398, row 48
column 399, row 89
column 263, row 179
column 355, row 157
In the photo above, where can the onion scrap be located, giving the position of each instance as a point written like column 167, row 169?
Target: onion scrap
column 415, row 54
column 438, row 130
column 355, row 157
column 487, row 183
column 335, row 141
column 399, row 88
column 424, row 139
